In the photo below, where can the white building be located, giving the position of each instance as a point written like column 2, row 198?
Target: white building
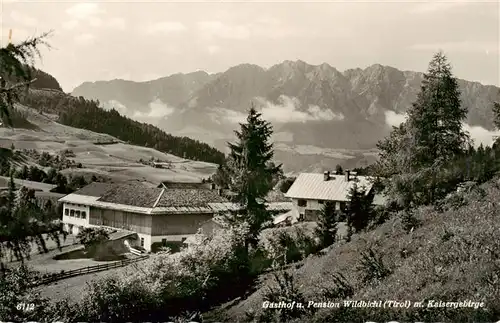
column 155, row 214
column 310, row 191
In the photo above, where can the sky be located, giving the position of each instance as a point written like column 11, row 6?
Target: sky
column 104, row 40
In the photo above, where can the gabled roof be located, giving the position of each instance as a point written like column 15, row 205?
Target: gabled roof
column 136, row 197
column 189, row 197
column 131, row 194
column 94, row 189
column 191, row 185
column 139, row 198
column 313, row 186
column 276, row 195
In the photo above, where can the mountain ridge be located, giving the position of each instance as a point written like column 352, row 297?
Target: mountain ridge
column 307, row 104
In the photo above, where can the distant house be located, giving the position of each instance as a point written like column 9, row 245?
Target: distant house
column 310, row 191
column 172, row 212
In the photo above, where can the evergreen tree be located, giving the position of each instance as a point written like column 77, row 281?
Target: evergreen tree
column 252, row 172
column 418, row 152
column 339, row 170
column 435, row 119
column 327, row 224
column 221, row 177
column 394, row 152
column 16, row 65
column 360, row 208
column 22, row 224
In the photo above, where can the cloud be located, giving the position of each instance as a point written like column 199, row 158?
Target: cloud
column 83, row 11
column 288, row 111
column 70, row 24
column 438, row 6
column 464, row 46
column 114, row 104
column 481, row 135
column 394, row 119
column 213, row 49
column 216, row 29
column 478, row 134
column 116, row 23
column 84, row 39
column 166, row 27
column 218, row 114
column 23, row 19
column 157, row 109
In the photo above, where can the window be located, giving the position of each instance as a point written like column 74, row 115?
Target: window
column 66, row 211
column 142, row 242
column 302, row 203
column 84, row 215
column 343, row 206
column 71, row 212
column 77, row 213
column 320, row 201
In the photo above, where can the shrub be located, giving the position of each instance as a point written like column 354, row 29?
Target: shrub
column 409, row 220
column 288, row 244
column 339, row 288
column 91, row 237
column 372, row 267
column 208, row 271
column 284, row 290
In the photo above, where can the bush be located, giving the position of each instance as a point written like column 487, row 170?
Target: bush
column 285, row 290
column 409, row 220
column 289, row 244
column 173, row 246
column 207, row 272
column 91, row 237
column 372, row 267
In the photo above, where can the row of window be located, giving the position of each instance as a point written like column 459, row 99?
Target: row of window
column 303, row 203
column 75, row 213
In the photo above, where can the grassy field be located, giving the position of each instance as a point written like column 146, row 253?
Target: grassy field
column 72, row 288
column 117, row 161
column 450, row 257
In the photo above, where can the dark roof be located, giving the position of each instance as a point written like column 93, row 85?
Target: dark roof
column 132, row 194
column 94, row 189
column 50, row 195
column 189, row 197
column 191, row 185
column 276, row 196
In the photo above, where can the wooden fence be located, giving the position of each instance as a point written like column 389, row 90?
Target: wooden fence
column 50, row 278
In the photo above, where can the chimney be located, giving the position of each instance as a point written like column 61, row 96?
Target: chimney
column 347, row 175
column 326, row 176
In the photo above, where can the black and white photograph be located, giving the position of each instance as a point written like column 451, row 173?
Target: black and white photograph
column 249, row 161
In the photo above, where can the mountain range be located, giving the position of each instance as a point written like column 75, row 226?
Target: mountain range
column 321, row 116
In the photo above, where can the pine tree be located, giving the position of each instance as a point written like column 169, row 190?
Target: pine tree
column 418, row 152
column 327, row 224
column 252, row 172
column 435, row 119
column 360, row 209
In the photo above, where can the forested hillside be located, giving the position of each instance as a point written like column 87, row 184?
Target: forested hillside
column 42, row 80
column 86, row 114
